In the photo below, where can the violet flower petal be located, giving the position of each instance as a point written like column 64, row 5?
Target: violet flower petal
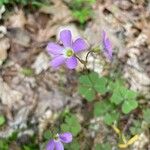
column 66, row 38
column 107, row 46
column 109, row 49
column 71, row 62
column 79, row 45
column 50, row 145
column 54, row 49
column 66, row 137
column 59, row 146
column 57, row 61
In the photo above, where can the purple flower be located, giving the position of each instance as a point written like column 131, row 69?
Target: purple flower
column 107, row 46
column 66, row 54
column 56, row 144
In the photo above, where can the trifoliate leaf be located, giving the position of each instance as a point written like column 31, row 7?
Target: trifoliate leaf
column 90, row 84
column 136, row 128
column 100, row 108
column 93, row 77
column 74, row 145
column 129, row 105
column 84, row 80
column 71, row 124
column 100, row 85
column 110, row 118
column 86, row 85
column 87, row 92
column 129, row 94
column 116, row 97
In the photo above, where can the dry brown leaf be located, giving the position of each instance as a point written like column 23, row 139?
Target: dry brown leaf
column 17, row 20
column 10, row 97
column 19, row 36
column 63, row 17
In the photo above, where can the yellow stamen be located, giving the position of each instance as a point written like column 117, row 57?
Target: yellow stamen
column 69, row 53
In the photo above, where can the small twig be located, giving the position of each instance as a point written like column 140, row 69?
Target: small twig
column 130, row 120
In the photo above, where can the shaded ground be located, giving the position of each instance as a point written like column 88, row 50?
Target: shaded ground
column 32, row 94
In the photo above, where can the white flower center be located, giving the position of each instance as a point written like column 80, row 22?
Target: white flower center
column 68, row 52
column 56, row 138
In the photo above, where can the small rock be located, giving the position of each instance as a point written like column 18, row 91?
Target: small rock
column 41, row 63
column 13, row 99
column 141, row 142
column 19, row 36
column 17, row 20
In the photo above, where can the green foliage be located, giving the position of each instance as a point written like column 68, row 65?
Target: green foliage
column 2, row 120
column 90, row 84
column 82, row 15
column 125, row 96
column 101, row 108
column 3, row 145
column 82, row 9
column 4, row 2
column 71, row 124
column 47, row 135
column 129, row 105
column 73, row 145
column 106, row 109
column 111, row 117
column 26, row 147
column 105, row 146
column 146, row 115
column 117, row 96
column 136, row 128
column 27, row 72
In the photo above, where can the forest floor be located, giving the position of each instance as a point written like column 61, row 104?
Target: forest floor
column 33, row 95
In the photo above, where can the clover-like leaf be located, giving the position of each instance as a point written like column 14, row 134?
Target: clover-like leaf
column 101, row 85
column 86, row 85
column 110, row 118
column 129, row 105
column 87, row 92
column 129, row 94
column 100, row 108
column 84, row 79
column 90, row 84
column 74, row 145
column 118, row 94
column 71, row 124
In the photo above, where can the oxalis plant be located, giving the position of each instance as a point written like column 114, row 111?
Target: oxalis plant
column 110, row 97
